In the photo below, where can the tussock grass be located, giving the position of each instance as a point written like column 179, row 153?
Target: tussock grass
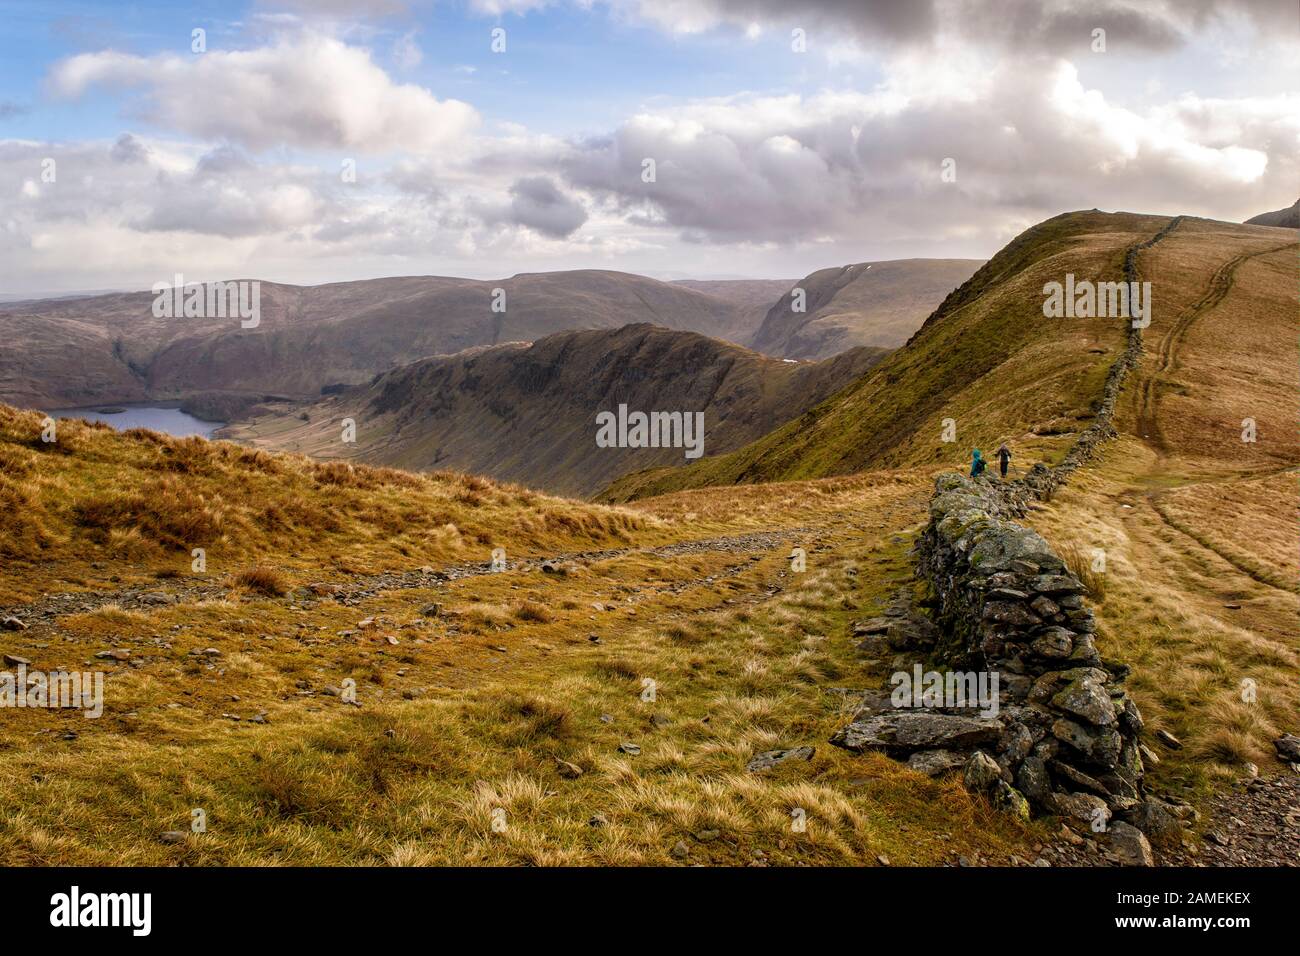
column 465, row 769
column 1080, row 563
column 262, row 580
column 151, row 499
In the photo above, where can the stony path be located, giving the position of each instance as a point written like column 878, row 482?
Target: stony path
column 356, row 588
column 1256, row 824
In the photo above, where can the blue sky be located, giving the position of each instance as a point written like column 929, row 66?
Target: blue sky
column 568, row 70
column 771, row 161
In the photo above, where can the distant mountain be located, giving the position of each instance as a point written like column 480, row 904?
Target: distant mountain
column 32, row 296
column 111, row 348
column 528, row 413
column 754, row 297
column 871, row 303
column 1288, row 218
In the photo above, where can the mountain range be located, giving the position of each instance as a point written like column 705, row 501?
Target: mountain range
column 74, row 352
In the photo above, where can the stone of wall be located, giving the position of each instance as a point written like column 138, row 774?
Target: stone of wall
column 1004, row 602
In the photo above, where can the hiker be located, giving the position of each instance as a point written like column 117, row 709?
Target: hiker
column 977, row 464
column 1004, row 458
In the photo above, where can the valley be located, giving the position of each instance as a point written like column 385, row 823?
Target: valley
column 309, row 340
column 528, row 413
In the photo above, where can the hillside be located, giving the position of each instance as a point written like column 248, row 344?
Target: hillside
column 986, row 358
column 1288, row 218
column 111, row 348
column 869, row 303
column 348, row 681
column 527, row 413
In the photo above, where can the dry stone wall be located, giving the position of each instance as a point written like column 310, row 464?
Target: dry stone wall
column 1065, row 737
column 1005, row 601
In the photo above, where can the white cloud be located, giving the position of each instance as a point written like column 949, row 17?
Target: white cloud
column 749, row 183
column 306, row 90
column 1030, row 140
column 406, row 52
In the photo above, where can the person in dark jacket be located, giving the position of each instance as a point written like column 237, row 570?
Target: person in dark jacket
column 977, row 464
column 1004, row 458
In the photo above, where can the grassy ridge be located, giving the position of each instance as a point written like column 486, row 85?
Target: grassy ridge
column 986, row 358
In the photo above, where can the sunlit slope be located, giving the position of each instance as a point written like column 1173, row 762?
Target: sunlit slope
column 96, row 504
column 1221, row 350
column 987, row 359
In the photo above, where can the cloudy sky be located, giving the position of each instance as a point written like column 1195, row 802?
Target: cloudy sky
column 316, row 140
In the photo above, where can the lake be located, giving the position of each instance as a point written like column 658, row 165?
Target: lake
column 171, row 421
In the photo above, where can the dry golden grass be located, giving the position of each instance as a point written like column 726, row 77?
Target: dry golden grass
column 144, row 501
column 1213, row 649
column 1251, row 523
column 262, row 580
column 1083, row 564
column 1221, row 348
column 467, row 718
column 452, row 757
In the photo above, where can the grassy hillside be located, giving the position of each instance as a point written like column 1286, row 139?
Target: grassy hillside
column 868, row 303
column 519, row 697
column 986, row 358
column 478, row 697
column 97, row 506
column 528, row 413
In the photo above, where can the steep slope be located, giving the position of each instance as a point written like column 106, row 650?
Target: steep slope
column 112, row 348
column 527, row 413
column 987, row 359
column 1288, row 218
column 869, row 303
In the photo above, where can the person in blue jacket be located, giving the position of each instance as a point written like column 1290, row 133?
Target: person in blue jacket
column 977, row 464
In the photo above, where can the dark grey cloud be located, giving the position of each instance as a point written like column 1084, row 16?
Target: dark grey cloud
column 1030, row 25
column 539, row 204
column 128, row 149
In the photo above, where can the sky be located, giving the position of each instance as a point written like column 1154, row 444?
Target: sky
column 320, row 141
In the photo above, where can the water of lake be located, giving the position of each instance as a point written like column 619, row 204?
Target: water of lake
column 171, row 421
